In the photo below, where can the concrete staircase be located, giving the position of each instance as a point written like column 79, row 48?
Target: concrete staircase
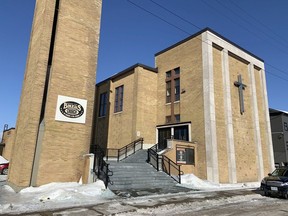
column 133, row 176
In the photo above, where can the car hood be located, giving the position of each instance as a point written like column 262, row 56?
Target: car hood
column 276, row 178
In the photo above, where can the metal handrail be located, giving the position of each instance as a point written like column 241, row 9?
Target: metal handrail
column 167, row 165
column 173, row 165
column 100, row 167
column 131, row 146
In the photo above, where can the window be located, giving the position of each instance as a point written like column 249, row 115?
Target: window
column 103, row 104
column 168, row 119
column 177, row 71
column 173, row 84
column 168, row 74
column 181, row 133
column 119, row 91
column 177, row 118
column 168, row 92
column 185, row 155
column 177, row 89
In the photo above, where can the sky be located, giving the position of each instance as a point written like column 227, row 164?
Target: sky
column 72, row 194
column 132, row 31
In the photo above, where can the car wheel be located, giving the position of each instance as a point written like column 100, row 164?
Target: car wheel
column 5, row 171
column 266, row 193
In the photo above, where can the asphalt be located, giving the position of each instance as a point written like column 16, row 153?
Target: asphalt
column 132, row 200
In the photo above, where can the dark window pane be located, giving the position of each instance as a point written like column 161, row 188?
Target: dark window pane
column 177, row 118
column 168, row 74
column 177, row 70
column 119, row 92
column 181, row 133
column 177, row 89
column 168, row 119
column 168, row 92
column 103, row 104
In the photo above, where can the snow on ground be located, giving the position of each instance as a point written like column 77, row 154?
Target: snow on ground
column 193, row 182
column 65, row 195
column 52, row 196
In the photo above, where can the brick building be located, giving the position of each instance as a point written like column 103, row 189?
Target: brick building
column 207, row 95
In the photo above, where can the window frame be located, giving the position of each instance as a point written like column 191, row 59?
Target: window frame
column 119, row 96
column 103, row 99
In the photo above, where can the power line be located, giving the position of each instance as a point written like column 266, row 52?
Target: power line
column 258, row 21
column 142, row 8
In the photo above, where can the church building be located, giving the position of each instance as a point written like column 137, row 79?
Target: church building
column 206, row 95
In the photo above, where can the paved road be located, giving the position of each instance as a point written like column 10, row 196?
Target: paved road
column 232, row 202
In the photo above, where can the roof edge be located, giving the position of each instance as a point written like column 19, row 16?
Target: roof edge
column 213, row 32
column 152, row 69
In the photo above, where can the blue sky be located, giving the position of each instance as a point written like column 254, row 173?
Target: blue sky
column 132, row 31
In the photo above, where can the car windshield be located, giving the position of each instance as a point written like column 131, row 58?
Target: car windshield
column 280, row 172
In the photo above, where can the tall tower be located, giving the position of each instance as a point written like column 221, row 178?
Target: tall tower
column 54, row 122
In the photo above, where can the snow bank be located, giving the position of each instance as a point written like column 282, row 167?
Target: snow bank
column 52, row 196
column 193, row 182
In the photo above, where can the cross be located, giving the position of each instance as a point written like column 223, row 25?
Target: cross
column 241, row 86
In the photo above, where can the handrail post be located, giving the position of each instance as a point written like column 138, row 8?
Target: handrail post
column 148, row 155
column 157, row 163
column 169, row 166
column 118, row 156
column 179, row 175
column 134, row 143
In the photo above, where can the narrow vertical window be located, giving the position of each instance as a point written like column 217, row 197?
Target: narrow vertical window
column 119, row 92
column 168, row 92
column 103, row 104
column 177, row 89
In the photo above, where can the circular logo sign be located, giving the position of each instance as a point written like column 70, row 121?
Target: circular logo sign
column 71, row 109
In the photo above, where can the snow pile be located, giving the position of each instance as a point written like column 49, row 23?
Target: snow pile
column 193, row 182
column 52, row 196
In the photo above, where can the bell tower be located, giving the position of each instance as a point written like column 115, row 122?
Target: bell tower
column 54, row 123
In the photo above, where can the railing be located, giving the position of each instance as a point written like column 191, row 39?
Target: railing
column 101, row 168
column 161, row 162
column 129, row 149
column 172, row 169
column 153, row 157
column 124, row 152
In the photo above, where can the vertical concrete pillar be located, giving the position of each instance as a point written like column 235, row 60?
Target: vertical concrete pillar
column 53, row 129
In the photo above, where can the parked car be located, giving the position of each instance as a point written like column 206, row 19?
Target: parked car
column 276, row 183
column 4, row 165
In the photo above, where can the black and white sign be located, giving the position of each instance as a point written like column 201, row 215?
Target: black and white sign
column 71, row 109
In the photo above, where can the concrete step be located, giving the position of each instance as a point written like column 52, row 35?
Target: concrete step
column 134, row 173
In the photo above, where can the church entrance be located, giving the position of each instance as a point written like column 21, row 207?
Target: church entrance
column 163, row 135
column 179, row 132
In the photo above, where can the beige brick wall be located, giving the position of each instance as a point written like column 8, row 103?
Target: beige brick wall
column 262, row 123
column 101, row 123
column 146, row 106
column 31, row 97
column 243, row 127
column 187, row 56
column 72, row 74
column 138, row 117
column 220, row 116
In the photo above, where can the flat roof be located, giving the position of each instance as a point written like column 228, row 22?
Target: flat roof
column 155, row 70
column 199, row 33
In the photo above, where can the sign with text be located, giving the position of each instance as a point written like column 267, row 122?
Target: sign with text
column 71, row 109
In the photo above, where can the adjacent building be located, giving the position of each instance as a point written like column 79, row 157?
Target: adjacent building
column 279, row 129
